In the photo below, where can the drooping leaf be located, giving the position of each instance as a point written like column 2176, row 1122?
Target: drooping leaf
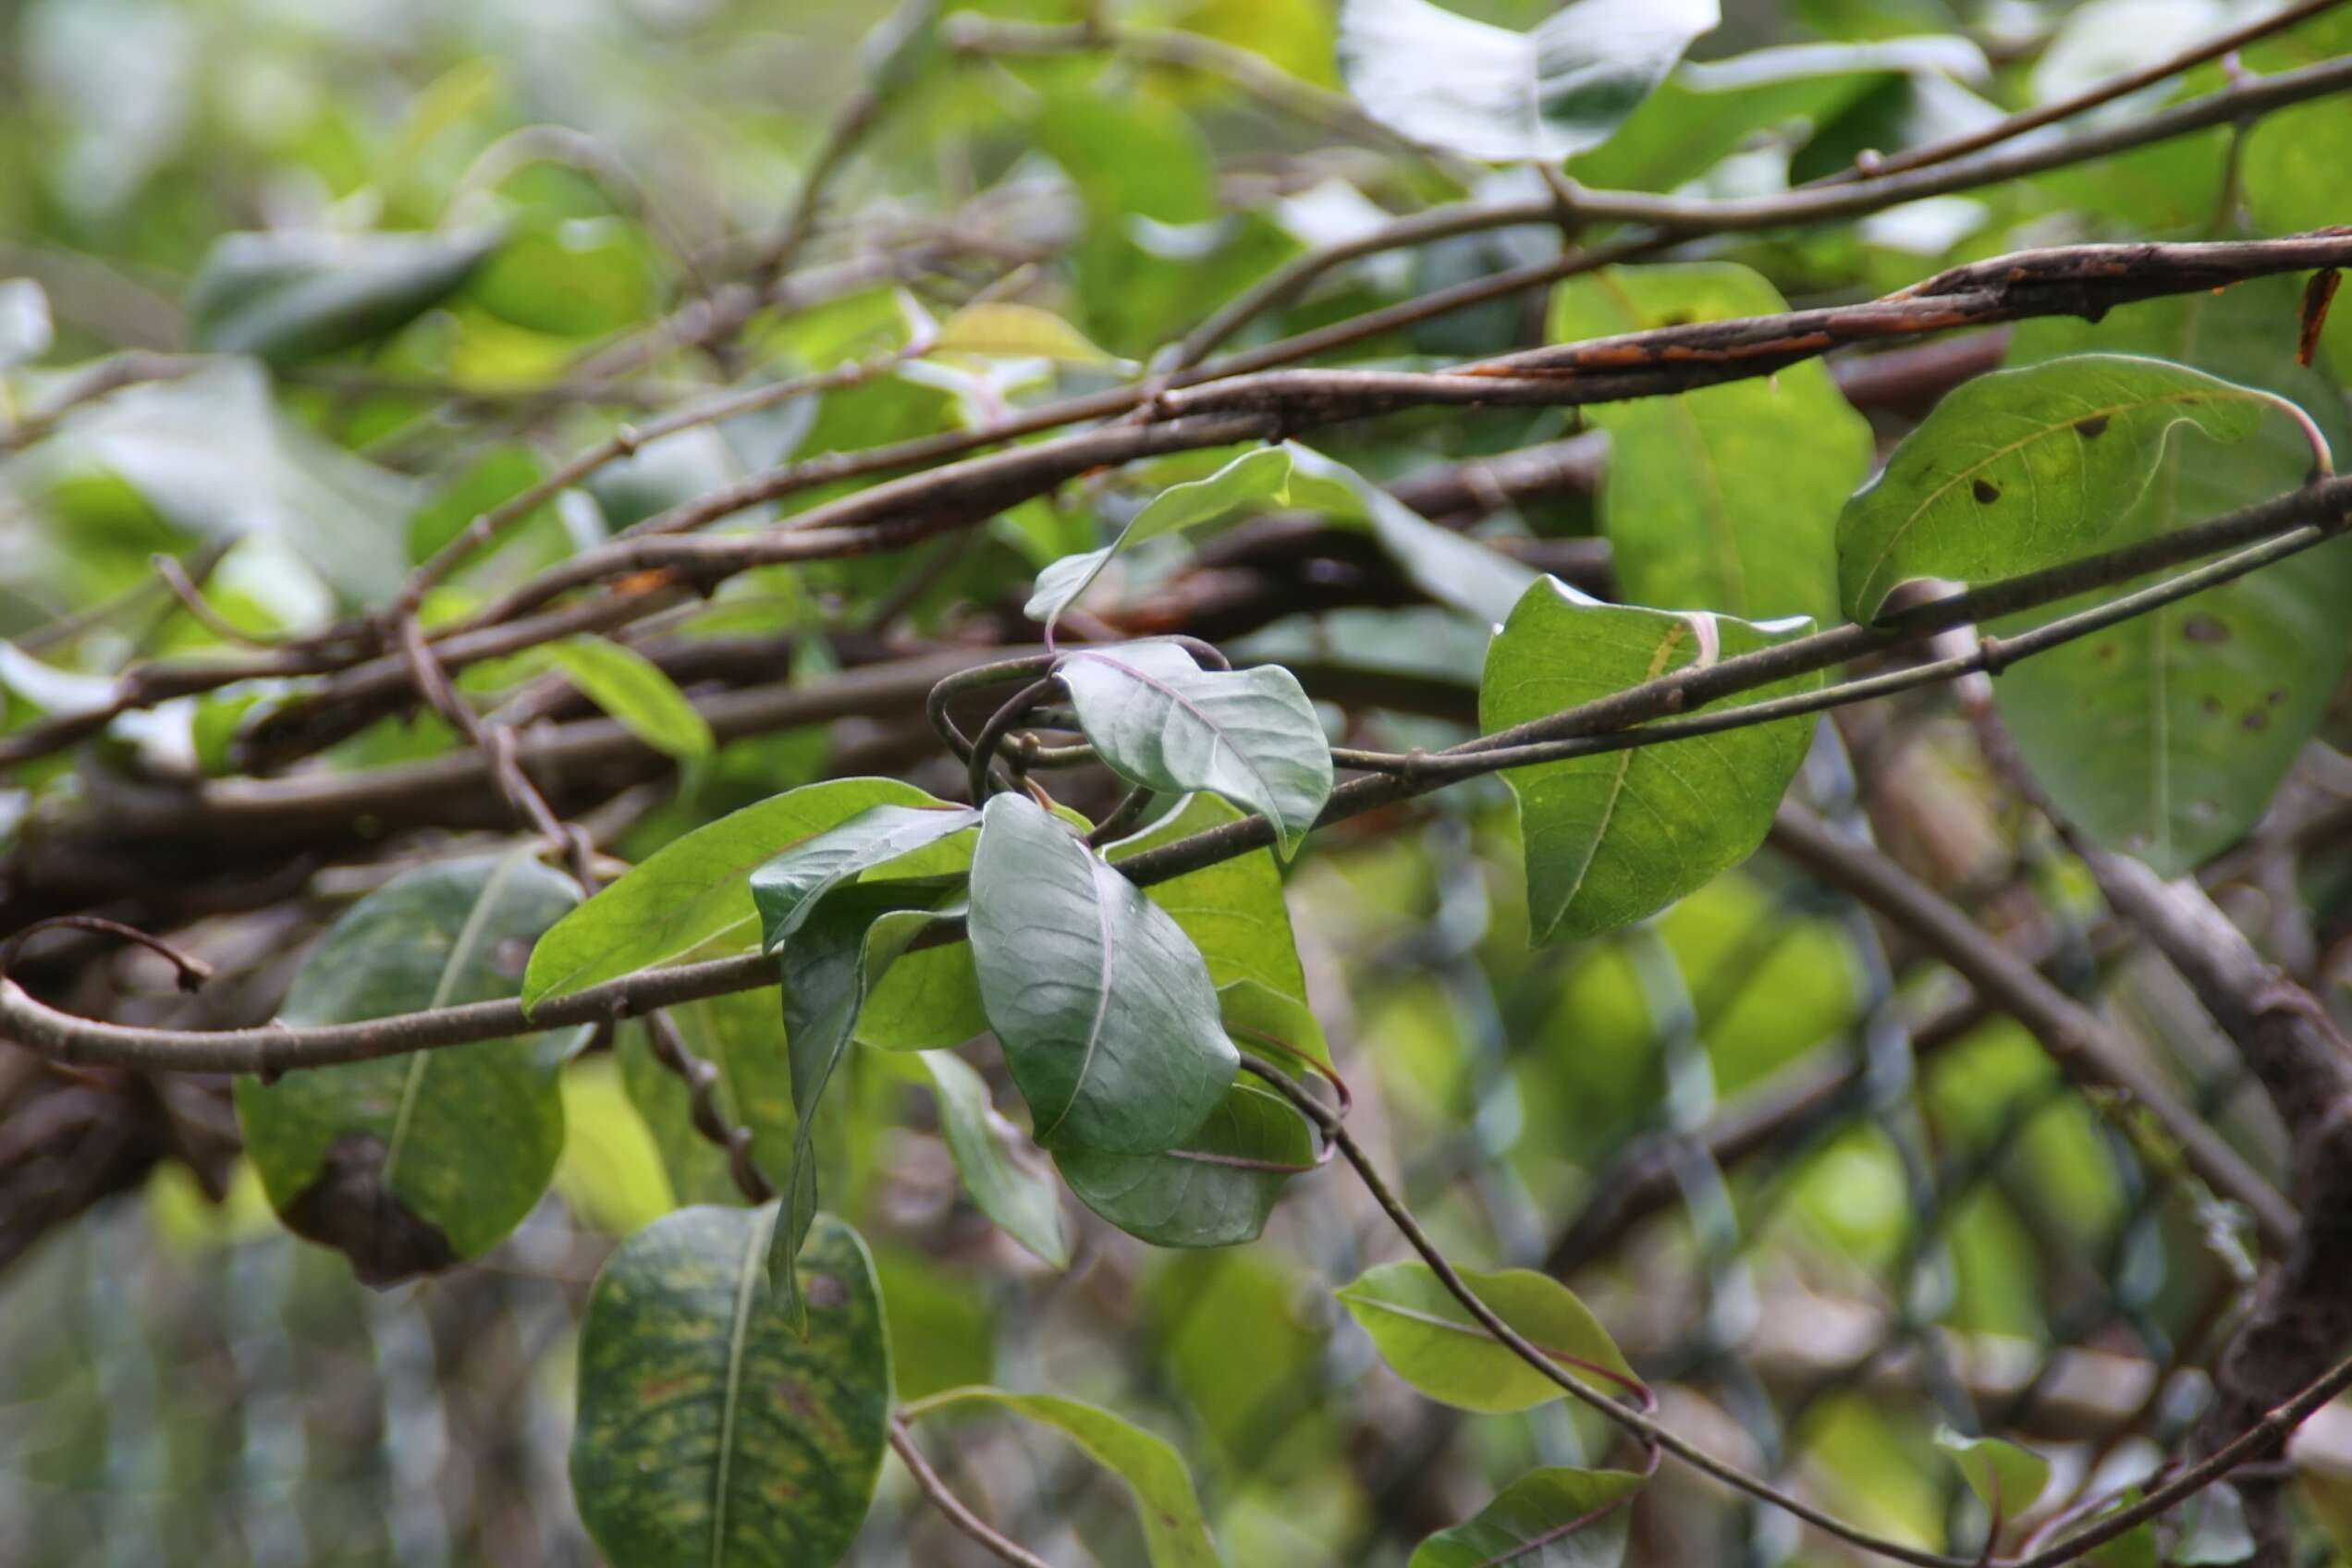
column 1448, row 567
column 1103, row 1004
column 1550, row 1518
column 1442, row 78
column 2025, row 469
column 1214, row 1188
column 1175, row 1534
column 1431, row 1341
column 710, row 1434
column 1001, row 330
column 409, row 1163
column 1236, row 915
column 1618, row 835
column 1690, row 518
column 1019, row 1200
column 2006, row 1478
column 787, row 889
column 696, row 893
column 2166, row 737
column 1255, row 476
column 1158, row 719
column 632, row 689
column 289, row 297
column 852, row 938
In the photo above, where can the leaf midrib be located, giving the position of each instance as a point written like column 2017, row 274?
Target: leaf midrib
column 460, row 952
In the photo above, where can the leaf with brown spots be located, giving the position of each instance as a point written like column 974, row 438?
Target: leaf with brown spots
column 2026, row 469
column 711, row 1435
column 2167, row 736
column 409, row 1163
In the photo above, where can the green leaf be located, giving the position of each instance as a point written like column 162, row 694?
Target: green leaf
column 696, row 893
column 710, row 1435
column 1019, row 1200
column 1256, row 475
column 1688, row 522
column 1448, row 567
column 1552, row 1518
column 1443, row 79
column 993, row 330
column 409, row 1163
column 1214, row 1188
column 1616, row 836
column 1175, row 1535
column 1708, row 109
column 632, row 689
column 2026, row 469
column 787, row 888
column 2006, row 1478
column 1159, row 720
column 1430, row 1340
column 736, row 1033
column 290, row 297
column 1265, row 1023
column 851, row 939
column 1103, row 1004
column 2166, row 737
column 212, row 454
column 1235, row 914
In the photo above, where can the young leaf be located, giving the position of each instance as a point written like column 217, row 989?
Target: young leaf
column 1020, row 1201
column 1441, row 79
column 409, row 1163
column 287, row 298
column 1552, row 1518
column 1235, row 914
column 1429, row 1338
column 709, row 1432
column 995, row 330
column 1104, row 1006
column 2026, row 469
column 1618, row 835
column 1691, row 517
column 1212, row 1190
column 2007, row 1479
column 851, row 939
column 1448, row 567
column 787, row 888
column 1256, row 475
column 693, row 893
column 1159, row 720
column 2166, row 737
column 631, row 688
column 1175, row 1534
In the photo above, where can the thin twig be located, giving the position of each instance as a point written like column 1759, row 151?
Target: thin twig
column 960, row 1515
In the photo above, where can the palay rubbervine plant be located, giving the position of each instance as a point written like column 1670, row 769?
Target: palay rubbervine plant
column 2118, row 560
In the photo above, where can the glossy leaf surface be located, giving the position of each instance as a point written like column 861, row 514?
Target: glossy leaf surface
column 1550, row 1518
column 1159, row 720
column 1448, row 80
column 1104, row 1007
column 1212, row 1190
